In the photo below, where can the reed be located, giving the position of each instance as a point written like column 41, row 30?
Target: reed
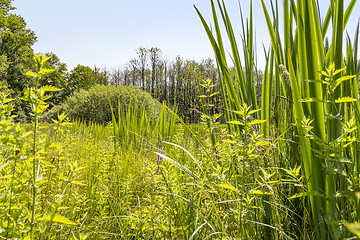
column 318, row 92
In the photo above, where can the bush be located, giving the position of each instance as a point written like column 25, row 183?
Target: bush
column 93, row 105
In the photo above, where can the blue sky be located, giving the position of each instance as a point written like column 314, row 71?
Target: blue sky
column 107, row 33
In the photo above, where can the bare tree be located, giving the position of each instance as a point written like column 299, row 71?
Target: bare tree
column 143, row 60
column 116, row 76
column 133, row 66
column 155, row 60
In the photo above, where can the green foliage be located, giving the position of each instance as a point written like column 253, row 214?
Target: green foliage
column 24, row 165
column 321, row 91
column 81, row 77
column 143, row 176
column 94, row 104
column 15, row 51
column 57, row 78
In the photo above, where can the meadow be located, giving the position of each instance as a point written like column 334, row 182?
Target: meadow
column 285, row 165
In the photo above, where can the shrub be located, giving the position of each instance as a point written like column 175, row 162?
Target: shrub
column 94, row 104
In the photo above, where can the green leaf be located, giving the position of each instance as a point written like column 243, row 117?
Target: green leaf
column 48, row 88
column 45, row 71
column 324, row 73
column 310, row 99
column 253, row 111
column 339, row 71
column 213, row 94
column 318, row 81
column 236, row 122
column 26, row 134
column 57, row 218
column 257, row 122
column 216, row 116
column 55, row 145
column 227, row 186
column 261, row 143
column 31, row 74
column 345, row 99
column 306, row 194
column 45, row 60
column 353, row 227
column 336, row 83
column 258, row 192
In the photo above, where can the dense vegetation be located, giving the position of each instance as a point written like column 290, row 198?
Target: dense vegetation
column 285, row 165
column 96, row 104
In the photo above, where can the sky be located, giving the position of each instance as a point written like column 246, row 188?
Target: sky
column 108, row 33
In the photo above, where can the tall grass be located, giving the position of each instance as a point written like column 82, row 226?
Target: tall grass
column 255, row 177
column 323, row 102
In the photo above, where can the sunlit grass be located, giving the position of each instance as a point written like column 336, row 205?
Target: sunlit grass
column 288, row 169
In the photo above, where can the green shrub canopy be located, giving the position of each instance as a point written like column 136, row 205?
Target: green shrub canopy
column 94, row 104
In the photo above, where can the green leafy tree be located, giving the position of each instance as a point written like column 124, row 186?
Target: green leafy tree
column 16, row 54
column 57, row 78
column 15, row 47
column 101, row 76
column 81, row 77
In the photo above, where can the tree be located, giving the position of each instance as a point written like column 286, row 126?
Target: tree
column 164, row 96
column 101, row 76
column 132, row 65
column 16, row 51
column 116, row 76
column 143, row 58
column 58, row 78
column 81, row 77
column 155, row 61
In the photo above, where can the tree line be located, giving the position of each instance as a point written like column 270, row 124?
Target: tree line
column 174, row 81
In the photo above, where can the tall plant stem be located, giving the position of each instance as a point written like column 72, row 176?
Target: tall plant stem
column 34, row 190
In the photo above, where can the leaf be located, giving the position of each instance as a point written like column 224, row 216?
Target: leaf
column 353, row 227
column 45, row 59
column 57, row 218
column 45, row 71
column 48, row 88
column 31, row 74
column 203, row 96
column 310, row 99
column 324, row 73
column 8, row 100
column 213, row 94
column 228, row 187
column 26, row 134
column 336, row 83
column 345, row 99
column 236, row 122
column 306, row 194
column 216, row 116
column 47, row 163
column 257, row 122
column 338, row 71
column 178, row 165
column 258, row 192
column 54, row 145
column 317, row 81
column 261, row 143
column 3, row 165
column 253, row 111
